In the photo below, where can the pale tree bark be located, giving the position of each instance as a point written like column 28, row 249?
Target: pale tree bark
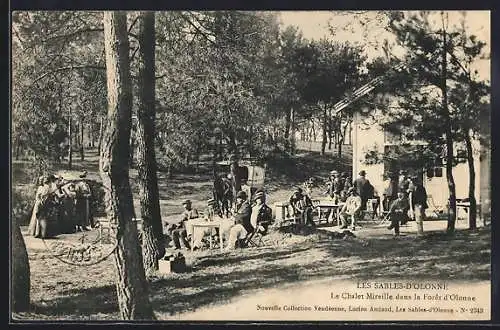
column 20, row 286
column 153, row 241
column 131, row 284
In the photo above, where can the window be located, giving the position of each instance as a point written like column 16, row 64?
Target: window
column 434, row 172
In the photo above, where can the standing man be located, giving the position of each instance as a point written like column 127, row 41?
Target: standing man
column 403, row 182
column 362, row 186
column 330, row 191
column 179, row 230
column 418, row 203
column 391, row 192
column 82, row 206
column 398, row 212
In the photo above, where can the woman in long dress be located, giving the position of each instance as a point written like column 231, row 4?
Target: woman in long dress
column 44, row 216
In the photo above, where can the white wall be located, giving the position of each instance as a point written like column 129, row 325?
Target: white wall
column 367, row 136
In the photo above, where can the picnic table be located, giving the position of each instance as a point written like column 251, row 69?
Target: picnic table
column 325, row 207
column 466, row 207
column 199, row 227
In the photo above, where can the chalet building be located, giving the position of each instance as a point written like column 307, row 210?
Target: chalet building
column 368, row 136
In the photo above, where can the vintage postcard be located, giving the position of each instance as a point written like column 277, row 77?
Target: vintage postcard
column 250, row 166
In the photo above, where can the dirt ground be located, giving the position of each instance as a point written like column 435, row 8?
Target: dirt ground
column 64, row 292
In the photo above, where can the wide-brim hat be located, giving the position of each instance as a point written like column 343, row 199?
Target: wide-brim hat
column 258, row 195
column 334, row 172
column 186, row 202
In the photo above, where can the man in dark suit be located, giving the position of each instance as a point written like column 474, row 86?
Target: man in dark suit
column 418, row 202
column 262, row 215
column 362, row 186
column 398, row 212
column 242, row 225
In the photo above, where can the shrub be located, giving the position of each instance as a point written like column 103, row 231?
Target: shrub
column 23, row 200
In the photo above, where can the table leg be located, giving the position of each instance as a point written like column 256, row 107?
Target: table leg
column 210, row 240
column 192, row 239
column 220, row 238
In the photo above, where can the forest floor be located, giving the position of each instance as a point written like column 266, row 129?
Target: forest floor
column 215, row 279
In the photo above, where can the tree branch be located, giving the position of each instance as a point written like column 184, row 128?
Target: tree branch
column 68, row 68
column 74, row 33
column 132, row 24
column 204, row 34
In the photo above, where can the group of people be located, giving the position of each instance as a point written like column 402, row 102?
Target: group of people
column 248, row 216
column 405, row 198
column 61, row 206
column 353, row 195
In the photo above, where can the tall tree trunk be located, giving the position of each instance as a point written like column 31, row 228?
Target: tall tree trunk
column 153, row 247
column 18, row 148
column 20, row 296
column 342, row 134
column 330, row 129
column 101, row 133
column 131, row 284
column 452, row 214
column 82, row 150
column 287, row 131
column 292, row 131
column 313, row 128
column 236, row 180
column 90, row 134
column 70, row 139
column 472, row 183
column 323, row 140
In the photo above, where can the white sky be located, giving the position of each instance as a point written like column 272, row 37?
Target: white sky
column 314, row 25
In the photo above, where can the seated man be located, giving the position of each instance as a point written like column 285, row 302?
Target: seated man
column 242, row 226
column 351, row 209
column 302, row 206
column 398, row 212
column 179, row 230
column 262, row 215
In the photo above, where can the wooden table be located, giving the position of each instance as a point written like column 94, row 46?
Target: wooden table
column 466, row 207
column 216, row 223
column 330, row 206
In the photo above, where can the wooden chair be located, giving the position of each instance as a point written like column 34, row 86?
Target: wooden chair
column 371, row 208
column 254, row 239
column 438, row 210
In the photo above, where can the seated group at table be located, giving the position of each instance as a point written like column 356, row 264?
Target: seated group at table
column 302, row 206
column 245, row 220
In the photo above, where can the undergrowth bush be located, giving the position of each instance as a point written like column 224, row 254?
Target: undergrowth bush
column 23, row 200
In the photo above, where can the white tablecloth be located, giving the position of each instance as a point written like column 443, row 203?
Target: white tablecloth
column 225, row 225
